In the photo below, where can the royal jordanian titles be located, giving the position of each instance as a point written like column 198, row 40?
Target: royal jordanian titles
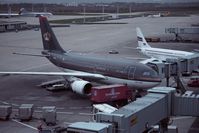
column 79, row 69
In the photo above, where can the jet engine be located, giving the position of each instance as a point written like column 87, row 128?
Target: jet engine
column 81, row 87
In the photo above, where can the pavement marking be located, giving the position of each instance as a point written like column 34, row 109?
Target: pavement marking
column 25, row 124
column 13, row 104
column 135, row 58
column 127, row 47
column 75, row 108
column 61, row 108
column 67, row 123
column 88, row 107
column 86, row 114
column 67, row 113
column 4, row 102
column 34, row 67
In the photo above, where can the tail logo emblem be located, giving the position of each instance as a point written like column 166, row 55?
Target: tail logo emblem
column 139, row 38
column 46, row 36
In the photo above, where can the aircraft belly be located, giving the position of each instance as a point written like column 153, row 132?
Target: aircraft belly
column 134, row 84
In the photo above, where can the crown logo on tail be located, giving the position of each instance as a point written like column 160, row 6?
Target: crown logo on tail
column 47, row 36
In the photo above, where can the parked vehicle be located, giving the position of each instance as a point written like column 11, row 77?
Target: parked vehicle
column 193, row 82
column 111, row 93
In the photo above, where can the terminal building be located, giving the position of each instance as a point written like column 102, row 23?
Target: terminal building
column 12, row 25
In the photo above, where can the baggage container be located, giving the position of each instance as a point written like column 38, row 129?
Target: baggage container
column 5, row 111
column 49, row 115
column 109, row 93
column 26, row 112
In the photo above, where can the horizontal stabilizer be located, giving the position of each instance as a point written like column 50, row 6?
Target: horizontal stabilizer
column 30, row 54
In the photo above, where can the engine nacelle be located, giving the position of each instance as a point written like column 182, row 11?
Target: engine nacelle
column 81, row 87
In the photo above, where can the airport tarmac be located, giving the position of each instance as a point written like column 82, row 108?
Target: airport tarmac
column 85, row 39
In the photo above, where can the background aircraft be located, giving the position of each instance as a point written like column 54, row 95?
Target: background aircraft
column 25, row 13
column 79, row 67
column 155, row 15
column 158, row 53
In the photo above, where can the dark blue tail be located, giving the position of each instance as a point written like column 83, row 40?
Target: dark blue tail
column 49, row 39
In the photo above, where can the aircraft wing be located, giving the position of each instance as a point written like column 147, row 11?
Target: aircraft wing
column 75, row 74
column 8, row 15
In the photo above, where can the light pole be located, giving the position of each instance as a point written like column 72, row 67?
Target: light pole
column 117, row 11
column 103, row 11
column 84, row 10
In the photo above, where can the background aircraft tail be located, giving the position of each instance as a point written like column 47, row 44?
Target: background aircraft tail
column 22, row 10
column 49, row 39
column 141, row 40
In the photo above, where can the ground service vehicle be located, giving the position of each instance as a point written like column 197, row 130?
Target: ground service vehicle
column 111, row 93
column 194, row 81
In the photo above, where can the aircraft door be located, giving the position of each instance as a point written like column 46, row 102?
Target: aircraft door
column 131, row 72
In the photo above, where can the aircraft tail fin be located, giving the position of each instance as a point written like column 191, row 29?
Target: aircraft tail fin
column 49, row 39
column 22, row 10
column 142, row 43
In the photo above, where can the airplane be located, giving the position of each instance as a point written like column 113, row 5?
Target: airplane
column 9, row 14
column 155, row 15
column 24, row 13
column 77, row 67
column 158, row 53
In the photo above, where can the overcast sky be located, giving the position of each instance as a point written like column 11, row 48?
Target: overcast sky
column 89, row 1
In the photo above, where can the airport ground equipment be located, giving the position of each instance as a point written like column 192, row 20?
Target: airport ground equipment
column 102, row 108
column 110, row 93
column 49, row 115
column 5, row 111
column 178, row 31
column 12, row 25
column 153, row 109
column 26, row 111
column 194, row 81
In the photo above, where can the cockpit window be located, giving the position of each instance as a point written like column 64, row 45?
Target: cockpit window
column 146, row 74
column 149, row 74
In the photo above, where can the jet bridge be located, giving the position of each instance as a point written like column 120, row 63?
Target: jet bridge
column 172, row 67
column 176, row 68
column 141, row 115
column 178, row 31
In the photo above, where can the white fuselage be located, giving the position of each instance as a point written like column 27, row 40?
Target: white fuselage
column 163, row 54
column 36, row 14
